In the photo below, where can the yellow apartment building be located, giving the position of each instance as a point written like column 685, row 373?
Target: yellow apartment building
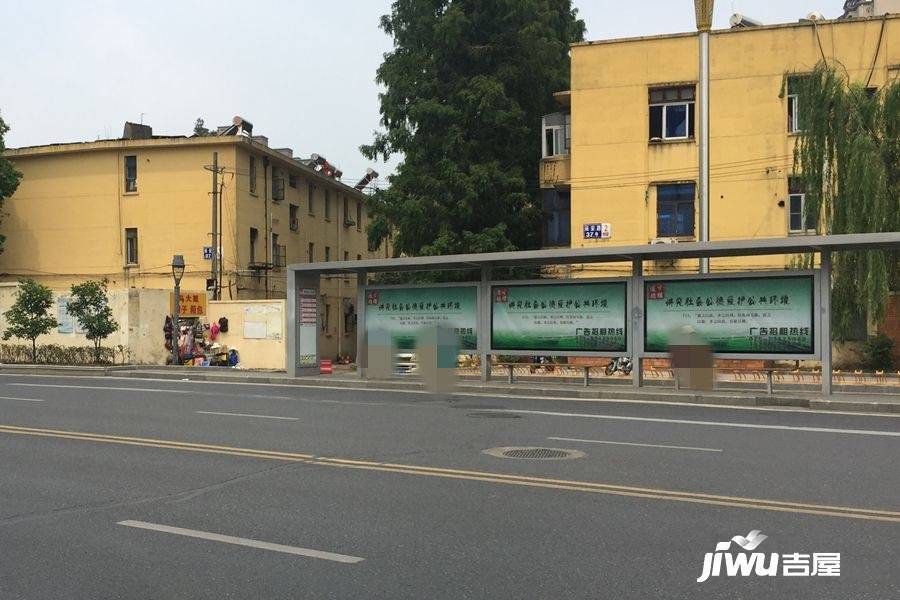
column 620, row 158
column 121, row 208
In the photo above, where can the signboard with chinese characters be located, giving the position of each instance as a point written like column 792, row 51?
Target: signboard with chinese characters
column 576, row 317
column 190, row 304
column 405, row 311
column 307, row 332
column 743, row 315
column 597, row 231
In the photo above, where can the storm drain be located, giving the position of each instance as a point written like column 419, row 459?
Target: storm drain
column 534, row 453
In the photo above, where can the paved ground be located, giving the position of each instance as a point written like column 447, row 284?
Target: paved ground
column 114, row 488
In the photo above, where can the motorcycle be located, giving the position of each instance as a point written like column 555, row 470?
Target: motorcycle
column 622, row 364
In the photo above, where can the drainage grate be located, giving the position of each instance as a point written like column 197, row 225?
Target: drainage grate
column 493, row 415
column 534, row 453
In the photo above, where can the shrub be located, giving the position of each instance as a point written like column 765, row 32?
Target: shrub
column 878, row 352
column 54, row 354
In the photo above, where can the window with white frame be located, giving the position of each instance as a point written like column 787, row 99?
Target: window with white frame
column 557, row 138
column 672, row 113
column 793, row 104
column 799, row 221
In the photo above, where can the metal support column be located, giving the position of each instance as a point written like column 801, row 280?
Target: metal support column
column 362, row 348
column 484, row 323
column 636, row 326
column 292, row 315
column 704, row 144
column 825, row 320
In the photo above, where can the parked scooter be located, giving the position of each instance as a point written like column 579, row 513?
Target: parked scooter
column 622, row 364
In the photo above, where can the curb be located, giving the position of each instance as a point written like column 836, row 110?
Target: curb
column 596, row 392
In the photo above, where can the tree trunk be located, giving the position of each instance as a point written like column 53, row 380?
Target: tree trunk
column 34, row 350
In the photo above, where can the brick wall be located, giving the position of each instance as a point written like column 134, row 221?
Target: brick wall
column 891, row 325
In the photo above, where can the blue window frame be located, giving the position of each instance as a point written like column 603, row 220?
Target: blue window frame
column 675, row 210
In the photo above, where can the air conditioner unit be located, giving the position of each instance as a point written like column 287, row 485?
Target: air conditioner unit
column 664, row 240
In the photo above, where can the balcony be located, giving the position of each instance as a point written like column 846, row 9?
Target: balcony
column 555, row 171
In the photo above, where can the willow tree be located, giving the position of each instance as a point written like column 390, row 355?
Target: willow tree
column 848, row 159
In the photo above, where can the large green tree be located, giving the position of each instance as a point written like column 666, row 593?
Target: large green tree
column 9, row 176
column 848, row 159
column 466, row 85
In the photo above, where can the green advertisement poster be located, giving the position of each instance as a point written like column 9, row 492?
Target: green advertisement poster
column 572, row 316
column 405, row 311
column 754, row 315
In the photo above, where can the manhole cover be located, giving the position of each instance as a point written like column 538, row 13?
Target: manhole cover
column 534, row 453
column 493, row 415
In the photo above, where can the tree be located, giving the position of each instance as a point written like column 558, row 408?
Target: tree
column 89, row 305
column 465, row 88
column 9, row 176
column 848, row 160
column 199, row 129
column 27, row 318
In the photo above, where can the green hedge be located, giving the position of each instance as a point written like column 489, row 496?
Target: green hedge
column 54, row 354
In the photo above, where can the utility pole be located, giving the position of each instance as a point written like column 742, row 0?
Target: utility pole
column 704, row 12
column 214, row 235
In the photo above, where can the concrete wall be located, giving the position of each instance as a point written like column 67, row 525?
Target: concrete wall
column 255, row 329
column 139, row 313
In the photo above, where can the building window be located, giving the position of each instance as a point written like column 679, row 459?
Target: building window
column 327, row 253
column 277, row 186
column 798, row 219
column 252, row 174
column 294, row 212
column 672, row 113
column 292, row 180
column 131, row 246
column 346, row 255
column 311, row 252
column 359, row 215
column 359, row 257
column 557, row 138
column 254, row 235
column 327, row 205
column 310, row 190
column 793, row 104
column 347, row 220
column 326, row 325
column 675, row 210
column 130, row 174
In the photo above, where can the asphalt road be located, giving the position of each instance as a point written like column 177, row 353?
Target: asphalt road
column 121, row 488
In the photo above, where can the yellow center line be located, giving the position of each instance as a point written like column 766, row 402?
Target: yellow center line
column 484, row 476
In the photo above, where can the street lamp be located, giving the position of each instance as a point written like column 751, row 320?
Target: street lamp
column 704, row 13
column 177, row 274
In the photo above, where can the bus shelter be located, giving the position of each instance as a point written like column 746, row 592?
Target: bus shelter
column 783, row 314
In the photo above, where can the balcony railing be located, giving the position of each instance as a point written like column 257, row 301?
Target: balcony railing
column 555, row 171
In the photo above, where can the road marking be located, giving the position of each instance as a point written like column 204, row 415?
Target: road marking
column 563, row 439
column 238, row 541
column 484, row 476
column 694, row 422
column 94, row 387
column 207, row 412
column 22, row 399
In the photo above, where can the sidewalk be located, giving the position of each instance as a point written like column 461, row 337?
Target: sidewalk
column 655, row 392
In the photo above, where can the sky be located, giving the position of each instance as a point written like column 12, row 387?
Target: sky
column 302, row 71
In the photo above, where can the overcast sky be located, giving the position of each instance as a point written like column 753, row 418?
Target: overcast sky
column 301, row 71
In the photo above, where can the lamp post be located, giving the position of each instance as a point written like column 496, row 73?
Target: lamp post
column 177, row 274
column 704, row 13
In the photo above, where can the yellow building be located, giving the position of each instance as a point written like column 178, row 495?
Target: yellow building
column 620, row 159
column 120, row 209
